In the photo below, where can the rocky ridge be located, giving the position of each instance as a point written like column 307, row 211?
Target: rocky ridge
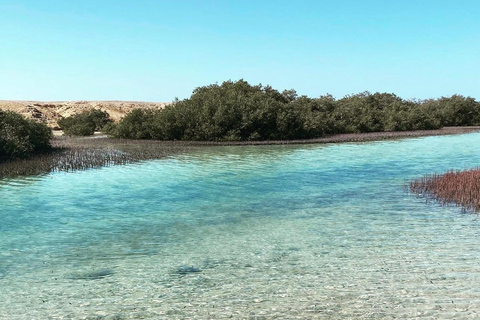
column 51, row 112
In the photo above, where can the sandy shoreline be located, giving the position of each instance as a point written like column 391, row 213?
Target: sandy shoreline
column 336, row 138
column 358, row 137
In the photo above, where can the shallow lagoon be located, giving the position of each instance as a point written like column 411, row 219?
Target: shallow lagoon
column 255, row 232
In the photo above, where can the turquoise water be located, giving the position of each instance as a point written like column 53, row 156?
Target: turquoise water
column 251, row 232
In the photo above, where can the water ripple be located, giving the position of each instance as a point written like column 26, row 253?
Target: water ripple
column 312, row 231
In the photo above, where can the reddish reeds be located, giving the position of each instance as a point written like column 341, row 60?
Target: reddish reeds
column 70, row 154
column 460, row 188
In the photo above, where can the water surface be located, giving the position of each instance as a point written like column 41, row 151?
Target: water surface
column 254, row 232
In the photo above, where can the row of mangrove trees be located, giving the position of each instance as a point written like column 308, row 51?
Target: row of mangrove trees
column 236, row 110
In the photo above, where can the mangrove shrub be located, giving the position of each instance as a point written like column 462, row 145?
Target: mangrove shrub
column 85, row 123
column 20, row 136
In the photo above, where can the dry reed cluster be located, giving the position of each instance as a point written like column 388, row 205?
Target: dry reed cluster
column 70, row 154
column 460, row 188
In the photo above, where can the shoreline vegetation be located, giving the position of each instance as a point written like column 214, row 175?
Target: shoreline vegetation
column 69, row 154
column 237, row 113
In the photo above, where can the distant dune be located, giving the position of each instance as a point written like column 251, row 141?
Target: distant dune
column 51, row 111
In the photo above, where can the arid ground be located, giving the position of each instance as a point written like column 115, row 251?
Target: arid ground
column 51, row 111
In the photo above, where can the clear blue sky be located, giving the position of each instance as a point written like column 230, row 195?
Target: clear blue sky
column 159, row 50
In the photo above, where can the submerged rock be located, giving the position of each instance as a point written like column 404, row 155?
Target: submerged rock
column 187, row 269
column 92, row 275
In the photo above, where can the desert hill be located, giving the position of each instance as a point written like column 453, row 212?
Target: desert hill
column 50, row 112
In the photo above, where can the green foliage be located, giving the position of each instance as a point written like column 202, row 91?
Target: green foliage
column 458, row 111
column 20, row 137
column 238, row 111
column 85, row 123
column 135, row 125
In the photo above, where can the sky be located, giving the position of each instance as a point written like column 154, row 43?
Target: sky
column 161, row 50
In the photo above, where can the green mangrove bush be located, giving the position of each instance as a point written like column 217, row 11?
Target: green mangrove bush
column 20, row 136
column 85, row 123
column 238, row 111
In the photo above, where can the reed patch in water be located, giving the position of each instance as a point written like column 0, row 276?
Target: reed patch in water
column 71, row 154
column 460, row 188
